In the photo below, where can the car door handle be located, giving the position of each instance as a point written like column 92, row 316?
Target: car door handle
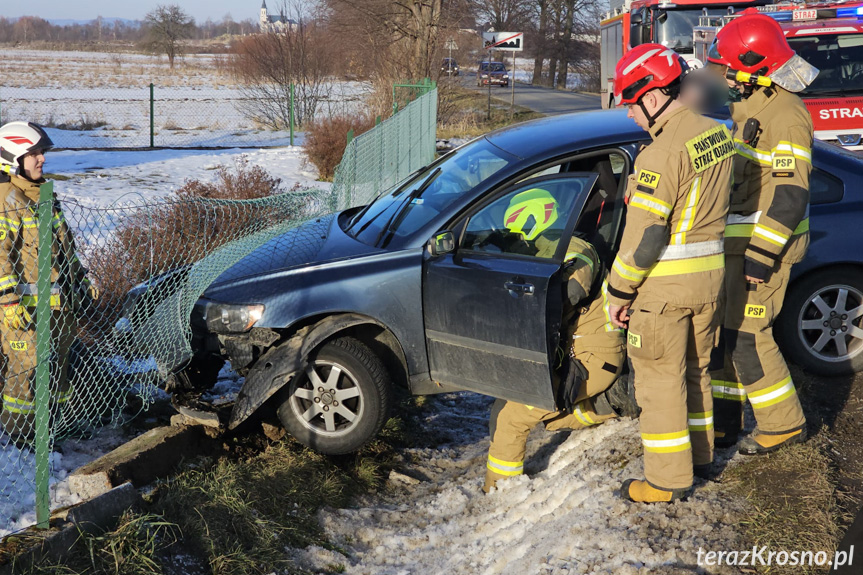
column 519, row 288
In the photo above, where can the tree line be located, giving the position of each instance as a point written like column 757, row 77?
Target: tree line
column 375, row 38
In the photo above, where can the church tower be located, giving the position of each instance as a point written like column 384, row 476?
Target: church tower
column 265, row 19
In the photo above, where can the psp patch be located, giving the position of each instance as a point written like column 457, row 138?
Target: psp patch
column 784, row 163
column 648, row 178
column 634, row 340
column 2, row 235
column 18, row 345
column 755, row 311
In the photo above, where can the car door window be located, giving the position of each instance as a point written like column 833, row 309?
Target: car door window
column 529, row 220
column 824, row 188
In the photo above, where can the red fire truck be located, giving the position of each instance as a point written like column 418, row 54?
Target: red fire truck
column 670, row 23
column 830, row 37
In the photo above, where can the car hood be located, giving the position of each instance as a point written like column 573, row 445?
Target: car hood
column 311, row 243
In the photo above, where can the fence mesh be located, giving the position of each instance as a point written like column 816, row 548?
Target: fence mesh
column 115, row 293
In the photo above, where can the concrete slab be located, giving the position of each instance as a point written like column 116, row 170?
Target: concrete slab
column 150, row 456
column 98, row 514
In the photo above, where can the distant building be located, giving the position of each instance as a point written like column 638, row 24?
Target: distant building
column 279, row 23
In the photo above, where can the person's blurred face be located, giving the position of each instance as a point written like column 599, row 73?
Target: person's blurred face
column 32, row 164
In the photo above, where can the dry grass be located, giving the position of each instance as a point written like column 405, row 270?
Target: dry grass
column 791, row 503
column 464, row 113
column 240, row 514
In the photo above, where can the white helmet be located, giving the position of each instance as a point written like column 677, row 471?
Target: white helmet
column 19, row 138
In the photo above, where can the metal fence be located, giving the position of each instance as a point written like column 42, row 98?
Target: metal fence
column 381, row 157
column 150, row 115
column 95, row 323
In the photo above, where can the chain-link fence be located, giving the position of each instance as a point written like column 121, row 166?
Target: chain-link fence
column 92, row 326
column 379, row 158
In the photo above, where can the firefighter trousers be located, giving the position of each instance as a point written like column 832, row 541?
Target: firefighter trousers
column 19, row 350
column 670, row 346
column 511, row 422
column 747, row 362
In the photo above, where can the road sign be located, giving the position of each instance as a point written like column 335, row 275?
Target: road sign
column 512, row 41
column 451, row 45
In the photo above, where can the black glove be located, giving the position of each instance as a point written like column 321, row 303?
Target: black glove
column 755, row 269
column 573, row 377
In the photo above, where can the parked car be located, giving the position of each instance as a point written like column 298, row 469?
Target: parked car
column 423, row 287
column 492, row 73
column 449, row 67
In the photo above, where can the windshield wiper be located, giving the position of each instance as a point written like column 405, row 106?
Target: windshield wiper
column 402, row 209
column 358, row 216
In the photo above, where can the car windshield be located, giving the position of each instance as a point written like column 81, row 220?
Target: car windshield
column 674, row 27
column 839, row 59
column 411, row 205
column 496, row 67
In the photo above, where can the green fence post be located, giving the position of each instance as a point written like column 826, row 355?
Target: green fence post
column 292, row 114
column 43, row 355
column 152, row 119
column 350, row 136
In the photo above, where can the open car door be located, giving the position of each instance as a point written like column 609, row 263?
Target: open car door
column 493, row 305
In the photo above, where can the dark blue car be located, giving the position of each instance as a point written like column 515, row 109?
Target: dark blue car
column 426, row 288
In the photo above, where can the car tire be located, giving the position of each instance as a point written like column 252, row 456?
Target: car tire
column 816, row 299
column 337, row 413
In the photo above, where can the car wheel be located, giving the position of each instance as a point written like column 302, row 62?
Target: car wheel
column 820, row 324
column 340, row 402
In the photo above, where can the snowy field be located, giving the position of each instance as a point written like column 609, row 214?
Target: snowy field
column 196, row 104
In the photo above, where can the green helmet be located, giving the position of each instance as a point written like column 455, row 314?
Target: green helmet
column 530, row 213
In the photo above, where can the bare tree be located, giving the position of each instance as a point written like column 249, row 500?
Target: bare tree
column 268, row 64
column 509, row 15
column 167, row 27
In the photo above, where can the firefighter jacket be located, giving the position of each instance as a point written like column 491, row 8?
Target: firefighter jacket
column 19, row 242
column 672, row 245
column 585, row 303
column 768, row 219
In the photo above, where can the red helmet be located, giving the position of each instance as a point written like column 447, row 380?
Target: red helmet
column 644, row 68
column 751, row 43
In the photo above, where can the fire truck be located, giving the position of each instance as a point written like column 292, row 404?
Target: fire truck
column 830, row 37
column 670, row 23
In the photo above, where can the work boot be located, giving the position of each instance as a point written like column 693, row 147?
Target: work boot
column 621, row 396
column 703, row 471
column 724, row 439
column 761, row 443
column 641, row 491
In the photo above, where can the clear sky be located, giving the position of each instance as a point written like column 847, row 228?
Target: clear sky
column 200, row 10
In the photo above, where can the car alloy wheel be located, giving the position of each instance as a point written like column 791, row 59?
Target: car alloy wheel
column 329, row 402
column 820, row 324
column 829, row 323
column 340, row 401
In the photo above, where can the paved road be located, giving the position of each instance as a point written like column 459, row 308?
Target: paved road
column 542, row 100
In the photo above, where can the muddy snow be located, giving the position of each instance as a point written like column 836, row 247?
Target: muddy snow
column 564, row 516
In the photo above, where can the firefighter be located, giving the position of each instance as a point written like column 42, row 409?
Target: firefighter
column 767, row 230
column 594, row 347
column 22, row 156
column 666, row 282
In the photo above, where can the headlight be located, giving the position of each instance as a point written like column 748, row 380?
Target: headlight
column 232, row 318
column 485, row 75
column 505, row 76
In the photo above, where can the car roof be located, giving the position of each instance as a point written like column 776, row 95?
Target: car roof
column 579, row 130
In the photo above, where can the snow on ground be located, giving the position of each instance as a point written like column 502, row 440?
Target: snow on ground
column 564, row 516
column 196, row 103
column 100, row 179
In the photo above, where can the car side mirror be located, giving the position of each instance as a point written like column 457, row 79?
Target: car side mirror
column 442, row 243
